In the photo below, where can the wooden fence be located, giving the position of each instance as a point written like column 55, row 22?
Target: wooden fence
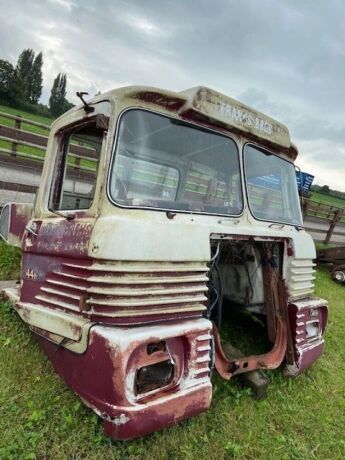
column 23, row 143
column 331, row 219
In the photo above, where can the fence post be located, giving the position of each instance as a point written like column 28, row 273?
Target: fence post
column 17, row 125
column 305, row 207
column 337, row 216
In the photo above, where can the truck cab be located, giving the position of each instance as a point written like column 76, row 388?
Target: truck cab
column 159, row 214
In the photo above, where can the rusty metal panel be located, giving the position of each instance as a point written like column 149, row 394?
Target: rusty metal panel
column 307, row 318
column 208, row 107
column 276, row 296
column 271, row 360
column 13, row 220
column 235, row 114
column 117, row 353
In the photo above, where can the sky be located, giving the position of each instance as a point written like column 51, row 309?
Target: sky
column 285, row 58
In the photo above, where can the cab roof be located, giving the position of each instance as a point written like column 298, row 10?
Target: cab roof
column 214, row 109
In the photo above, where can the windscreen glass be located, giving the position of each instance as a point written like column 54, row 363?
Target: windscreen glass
column 164, row 163
column 271, row 187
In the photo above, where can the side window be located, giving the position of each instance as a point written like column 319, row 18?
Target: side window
column 74, row 180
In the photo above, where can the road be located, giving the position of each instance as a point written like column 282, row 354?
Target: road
column 31, row 176
column 21, row 175
column 312, row 224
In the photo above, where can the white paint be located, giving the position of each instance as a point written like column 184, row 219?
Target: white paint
column 57, row 324
column 56, row 321
column 125, row 335
column 120, row 420
column 243, row 117
column 121, row 339
column 310, row 303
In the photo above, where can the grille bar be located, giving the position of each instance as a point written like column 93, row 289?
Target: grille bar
column 128, row 289
column 301, row 278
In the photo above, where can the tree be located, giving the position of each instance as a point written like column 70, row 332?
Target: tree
column 57, row 101
column 6, row 76
column 24, row 72
column 29, row 75
column 10, row 89
column 325, row 189
column 36, row 79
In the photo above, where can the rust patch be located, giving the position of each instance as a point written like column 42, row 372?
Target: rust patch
column 161, row 99
column 277, row 330
column 270, row 360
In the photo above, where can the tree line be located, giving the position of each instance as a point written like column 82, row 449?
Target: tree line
column 21, row 85
column 326, row 190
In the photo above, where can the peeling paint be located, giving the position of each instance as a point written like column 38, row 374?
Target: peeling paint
column 120, row 420
column 106, row 286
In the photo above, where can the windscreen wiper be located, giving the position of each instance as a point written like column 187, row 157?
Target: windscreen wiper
column 60, row 214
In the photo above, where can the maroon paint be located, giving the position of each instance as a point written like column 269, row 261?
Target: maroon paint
column 99, row 378
column 306, row 350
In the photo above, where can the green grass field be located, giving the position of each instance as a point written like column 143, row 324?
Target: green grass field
column 25, row 149
column 327, row 199
column 27, row 115
column 31, row 151
column 302, row 418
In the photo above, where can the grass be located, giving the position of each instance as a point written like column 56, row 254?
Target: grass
column 320, row 245
column 301, row 418
column 33, row 151
column 29, row 116
column 9, row 261
column 30, row 151
column 328, row 199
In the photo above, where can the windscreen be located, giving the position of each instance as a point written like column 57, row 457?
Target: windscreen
column 271, row 187
column 164, row 163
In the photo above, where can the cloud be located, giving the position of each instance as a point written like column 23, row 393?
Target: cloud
column 285, row 58
column 68, row 4
column 320, row 140
column 325, row 160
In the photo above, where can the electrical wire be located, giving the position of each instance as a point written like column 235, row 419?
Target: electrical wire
column 219, row 295
column 215, row 255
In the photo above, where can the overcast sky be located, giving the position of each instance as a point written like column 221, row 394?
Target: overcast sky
column 285, row 58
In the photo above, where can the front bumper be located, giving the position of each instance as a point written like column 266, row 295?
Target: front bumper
column 105, row 375
column 131, row 422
